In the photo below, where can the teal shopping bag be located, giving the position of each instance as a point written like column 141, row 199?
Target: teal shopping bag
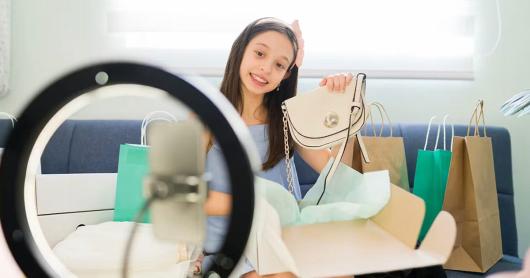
column 133, row 166
column 430, row 180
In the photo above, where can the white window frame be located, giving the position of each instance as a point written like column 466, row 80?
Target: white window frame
column 436, row 37
column 5, row 36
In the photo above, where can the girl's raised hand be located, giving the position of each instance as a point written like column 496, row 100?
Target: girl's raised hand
column 337, row 82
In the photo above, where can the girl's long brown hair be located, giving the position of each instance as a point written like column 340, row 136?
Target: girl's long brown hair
column 272, row 101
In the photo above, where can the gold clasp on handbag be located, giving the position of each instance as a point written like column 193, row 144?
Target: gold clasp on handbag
column 331, row 120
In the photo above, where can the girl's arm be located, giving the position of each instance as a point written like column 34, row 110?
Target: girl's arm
column 218, row 203
column 317, row 159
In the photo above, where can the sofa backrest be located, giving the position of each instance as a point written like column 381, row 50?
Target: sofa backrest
column 5, row 129
column 88, row 146
column 92, row 146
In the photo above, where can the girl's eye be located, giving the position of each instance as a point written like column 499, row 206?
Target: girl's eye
column 281, row 66
column 259, row 53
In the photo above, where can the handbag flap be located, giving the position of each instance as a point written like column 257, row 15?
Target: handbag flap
column 309, row 112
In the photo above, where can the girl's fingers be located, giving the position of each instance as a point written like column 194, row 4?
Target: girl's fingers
column 337, row 83
column 342, row 84
column 349, row 78
column 329, row 84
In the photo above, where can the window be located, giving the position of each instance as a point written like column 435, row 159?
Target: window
column 5, row 26
column 384, row 38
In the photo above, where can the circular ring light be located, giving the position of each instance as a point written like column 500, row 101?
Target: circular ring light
column 46, row 112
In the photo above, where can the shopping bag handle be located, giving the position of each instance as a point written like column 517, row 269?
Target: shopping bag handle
column 478, row 113
column 153, row 116
column 382, row 111
column 428, row 131
column 452, row 134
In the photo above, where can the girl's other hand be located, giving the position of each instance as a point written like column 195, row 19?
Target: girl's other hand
column 337, row 82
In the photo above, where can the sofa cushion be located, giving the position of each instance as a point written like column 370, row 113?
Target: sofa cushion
column 90, row 146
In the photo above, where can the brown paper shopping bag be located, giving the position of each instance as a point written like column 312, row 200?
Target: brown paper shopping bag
column 386, row 153
column 471, row 197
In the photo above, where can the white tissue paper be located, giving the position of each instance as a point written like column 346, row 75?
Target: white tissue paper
column 350, row 195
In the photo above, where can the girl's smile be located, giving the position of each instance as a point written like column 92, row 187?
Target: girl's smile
column 258, row 80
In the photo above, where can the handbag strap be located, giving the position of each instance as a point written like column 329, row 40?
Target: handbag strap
column 286, row 150
column 360, row 85
column 335, row 164
column 338, row 158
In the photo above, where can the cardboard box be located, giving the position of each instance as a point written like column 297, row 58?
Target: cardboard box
column 383, row 243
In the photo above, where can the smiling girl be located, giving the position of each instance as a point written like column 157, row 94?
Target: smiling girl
column 261, row 72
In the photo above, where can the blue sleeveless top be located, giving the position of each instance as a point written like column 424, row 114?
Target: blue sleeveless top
column 216, row 166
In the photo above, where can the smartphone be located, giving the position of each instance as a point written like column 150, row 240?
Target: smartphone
column 176, row 175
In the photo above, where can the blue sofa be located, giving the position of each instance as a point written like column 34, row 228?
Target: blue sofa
column 91, row 146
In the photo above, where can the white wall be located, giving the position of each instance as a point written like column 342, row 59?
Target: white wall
column 51, row 37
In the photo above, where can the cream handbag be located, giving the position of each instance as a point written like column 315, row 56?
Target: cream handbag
column 319, row 120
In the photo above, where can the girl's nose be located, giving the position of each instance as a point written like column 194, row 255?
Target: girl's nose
column 266, row 67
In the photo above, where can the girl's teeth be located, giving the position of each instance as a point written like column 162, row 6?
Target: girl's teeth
column 259, row 79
